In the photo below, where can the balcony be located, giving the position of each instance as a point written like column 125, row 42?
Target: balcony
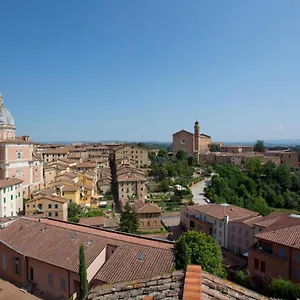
column 268, row 251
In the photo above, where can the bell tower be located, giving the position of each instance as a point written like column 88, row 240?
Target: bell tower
column 197, row 138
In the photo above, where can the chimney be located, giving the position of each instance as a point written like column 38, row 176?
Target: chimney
column 226, row 219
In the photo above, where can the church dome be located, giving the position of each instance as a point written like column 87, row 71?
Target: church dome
column 6, row 118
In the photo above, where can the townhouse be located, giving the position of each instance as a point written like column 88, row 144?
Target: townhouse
column 138, row 154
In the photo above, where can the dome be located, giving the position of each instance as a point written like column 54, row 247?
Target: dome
column 5, row 116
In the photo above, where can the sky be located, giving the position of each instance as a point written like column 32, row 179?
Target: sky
column 137, row 70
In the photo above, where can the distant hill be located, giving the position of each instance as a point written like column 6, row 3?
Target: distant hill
column 268, row 143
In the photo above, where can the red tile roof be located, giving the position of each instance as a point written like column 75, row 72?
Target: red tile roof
column 57, row 242
column 9, row 182
column 285, row 231
column 219, row 211
column 142, row 208
column 92, row 221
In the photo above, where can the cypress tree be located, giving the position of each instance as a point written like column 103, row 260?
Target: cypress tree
column 128, row 220
column 82, row 274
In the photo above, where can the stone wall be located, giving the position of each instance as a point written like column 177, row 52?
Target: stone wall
column 165, row 286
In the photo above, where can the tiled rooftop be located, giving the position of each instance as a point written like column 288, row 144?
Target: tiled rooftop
column 57, row 242
column 9, row 182
column 219, row 211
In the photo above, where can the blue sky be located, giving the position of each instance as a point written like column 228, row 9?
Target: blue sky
column 142, row 70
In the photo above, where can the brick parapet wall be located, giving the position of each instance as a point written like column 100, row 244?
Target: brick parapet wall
column 165, row 286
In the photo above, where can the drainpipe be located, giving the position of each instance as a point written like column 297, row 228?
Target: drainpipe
column 69, row 285
column 290, row 265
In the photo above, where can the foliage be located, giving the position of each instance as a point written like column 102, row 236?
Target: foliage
column 285, row 289
column 261, row 283
column 128, row 220
column 198, row 248
column 192, row 161
column 259, row 146
column 82, row 274
column 181, row 155
column 259, row 187
column 75, row 212
column 214, row 148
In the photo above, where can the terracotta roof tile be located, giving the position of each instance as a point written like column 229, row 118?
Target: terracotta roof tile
column 192, row 283
column 131, row 177
column 54, row 198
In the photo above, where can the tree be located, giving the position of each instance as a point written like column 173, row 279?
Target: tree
column 192, row 161
column 214, row 148
column 259, row 146
column 163, row 152
column 182, row 253
column 128, row 220
column 74, row 212
column 181, row 155
column 201, row 250
column 82, row 274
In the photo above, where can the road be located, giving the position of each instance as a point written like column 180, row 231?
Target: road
column 198, row 192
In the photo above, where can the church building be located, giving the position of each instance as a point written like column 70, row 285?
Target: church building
column 17, row 155
column 193, row 143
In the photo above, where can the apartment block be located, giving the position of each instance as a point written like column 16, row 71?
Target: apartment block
column 11, row 197
column 213, row 219
column 138, row 154
column 48, row 206
column 277, row 250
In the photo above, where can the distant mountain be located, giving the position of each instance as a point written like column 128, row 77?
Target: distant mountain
column 268, row 143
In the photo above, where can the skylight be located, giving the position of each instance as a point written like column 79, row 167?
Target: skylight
column 141, row 257
column 89, row 242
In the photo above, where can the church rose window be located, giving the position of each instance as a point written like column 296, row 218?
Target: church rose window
column 182, row 141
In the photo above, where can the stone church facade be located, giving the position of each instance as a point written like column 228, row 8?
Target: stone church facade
column 193, row 143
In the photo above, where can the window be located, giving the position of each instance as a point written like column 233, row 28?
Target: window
column 11, row 197
column 19, row 194
column 256, row 263
column 233, row 229
column 281, row 252
column 298, row 257
column 19, row 155
column 122, row 190
column 50, row 279
column 247, row 232
column 4, row 200
column 49, row 214
column 49, row 206
column 263, row 266
column 56, row 214
column 220, row 233
column 239, row 240
column 220, row 224
column 240, row 230
column 62, row 284
column 27, row 205
column 215, row 231
column 16, row 265
column 141, row 188
column 56, row 206
column 4, row 190
column 3, row 261
column 232, row 238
